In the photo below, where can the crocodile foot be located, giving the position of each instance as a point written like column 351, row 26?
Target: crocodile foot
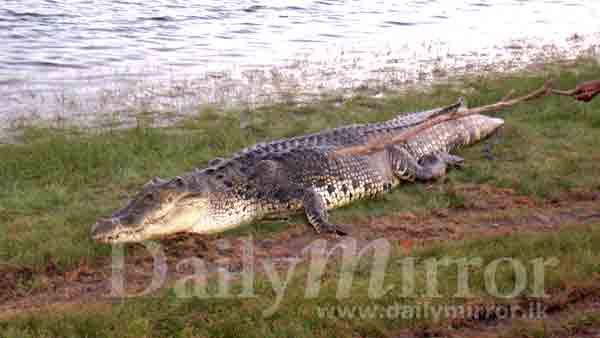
column 452, row 160
column 487, row 153
column 340, row 230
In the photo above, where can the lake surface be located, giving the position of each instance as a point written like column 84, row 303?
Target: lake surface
column 86, row 58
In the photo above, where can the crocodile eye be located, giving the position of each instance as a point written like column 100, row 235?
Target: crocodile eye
column 149, row 197
column 179, row 182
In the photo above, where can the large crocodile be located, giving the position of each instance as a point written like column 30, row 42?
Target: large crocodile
column 292, row 175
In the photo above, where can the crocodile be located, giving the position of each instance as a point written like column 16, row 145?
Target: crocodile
column 298, row 174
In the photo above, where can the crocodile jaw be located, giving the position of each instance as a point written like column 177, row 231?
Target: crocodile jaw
column 179, row 219
column 490, row 126
column 112, row 231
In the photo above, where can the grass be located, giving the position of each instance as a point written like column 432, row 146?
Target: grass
column 170, row 316
column 579, row 324
column 59, row 181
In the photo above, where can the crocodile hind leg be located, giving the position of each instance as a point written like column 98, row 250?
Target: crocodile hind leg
column 489, row 144
column 316, row 213
column 406, row 167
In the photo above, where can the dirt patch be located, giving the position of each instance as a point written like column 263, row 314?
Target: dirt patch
column 561, row 309
column 490, row 212
column 12, row 278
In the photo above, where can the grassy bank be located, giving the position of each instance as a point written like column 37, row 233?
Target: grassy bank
column 57, row 182
column 577, row 251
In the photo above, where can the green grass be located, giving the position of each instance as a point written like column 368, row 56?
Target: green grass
column 170, row 316
column 59, row 181
column 55, row 184
column 580, row 323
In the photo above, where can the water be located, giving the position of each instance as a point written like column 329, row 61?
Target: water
column 89, row 58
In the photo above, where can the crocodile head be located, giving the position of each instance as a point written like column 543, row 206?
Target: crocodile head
column 469, row 129
column 162, row 207
column 456, row 133
column 481, row 127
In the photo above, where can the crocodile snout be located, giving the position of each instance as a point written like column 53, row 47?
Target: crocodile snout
column 103, row 227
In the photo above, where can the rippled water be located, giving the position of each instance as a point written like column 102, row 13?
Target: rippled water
column 67, row 58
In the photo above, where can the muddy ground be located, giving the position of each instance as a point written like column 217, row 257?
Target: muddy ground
column 502, row 211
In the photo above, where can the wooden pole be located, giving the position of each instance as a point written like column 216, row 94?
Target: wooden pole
column 379, row 143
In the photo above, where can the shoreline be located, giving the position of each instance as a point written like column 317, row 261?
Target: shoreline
column 537, row 199
column 121, row 99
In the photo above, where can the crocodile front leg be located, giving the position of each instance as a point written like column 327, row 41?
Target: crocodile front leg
column 316, row 213
column 451, row 160
column 406, row 167
column 488, row 145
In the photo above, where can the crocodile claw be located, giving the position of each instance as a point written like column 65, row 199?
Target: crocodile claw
column 489, row 156
column 453, row 160
column 336, row 229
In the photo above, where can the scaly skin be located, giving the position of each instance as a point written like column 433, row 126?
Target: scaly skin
column 292, row 175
